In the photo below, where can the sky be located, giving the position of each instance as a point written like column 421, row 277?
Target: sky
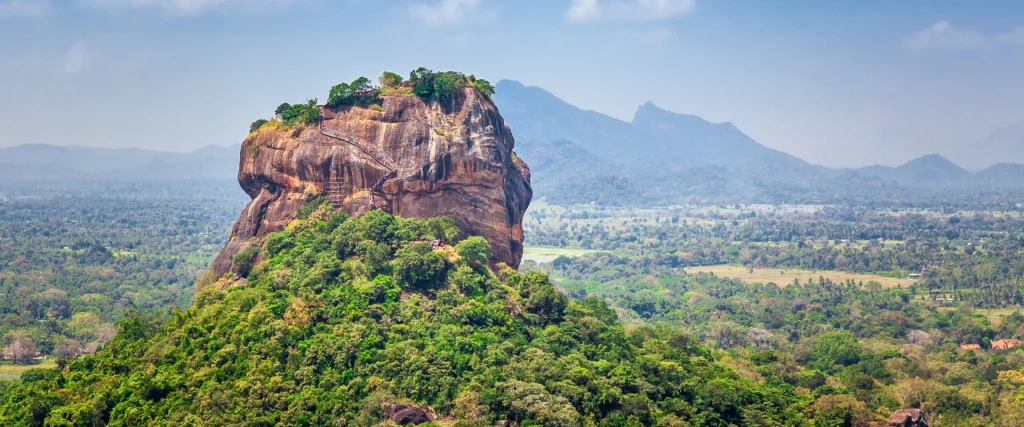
column 838, row 83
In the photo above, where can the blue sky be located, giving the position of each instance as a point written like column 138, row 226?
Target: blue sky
column 840, row 83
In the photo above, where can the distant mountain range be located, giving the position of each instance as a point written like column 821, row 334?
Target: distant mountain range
column 1003, row 145
column 578, row 155
column 51, row 162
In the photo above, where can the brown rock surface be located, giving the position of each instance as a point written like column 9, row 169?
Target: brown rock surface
column 453, row 160
column 908, row 418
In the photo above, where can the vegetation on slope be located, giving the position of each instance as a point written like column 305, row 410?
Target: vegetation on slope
column 442, row 86
column 345, row 317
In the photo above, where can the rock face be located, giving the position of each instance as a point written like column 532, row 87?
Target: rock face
column 907, row 418
column 413, row 159
column 407, row 415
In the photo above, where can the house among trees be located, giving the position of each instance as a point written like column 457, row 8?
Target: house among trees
column 970, row 346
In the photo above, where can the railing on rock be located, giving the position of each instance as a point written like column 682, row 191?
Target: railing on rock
column 375, row 153
column 336, row 189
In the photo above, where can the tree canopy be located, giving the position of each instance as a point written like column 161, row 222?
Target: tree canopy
column 315, row 337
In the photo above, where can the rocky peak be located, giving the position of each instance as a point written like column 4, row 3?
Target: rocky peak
column 406, row 156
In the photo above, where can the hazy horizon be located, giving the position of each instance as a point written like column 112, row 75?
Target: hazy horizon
column 840, row 85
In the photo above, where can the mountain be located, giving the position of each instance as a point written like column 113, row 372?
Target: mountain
column 1007, row 175
column 51, row 162
column 568, row 174
column 663, row 157
column 930, row 170
column 658, row 157
column 657, row 136
column 1003, row 145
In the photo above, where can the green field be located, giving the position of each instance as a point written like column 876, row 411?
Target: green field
column 545, row 254
column 785, row 276
column 13, row 372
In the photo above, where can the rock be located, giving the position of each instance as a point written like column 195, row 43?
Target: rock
column 453, row 160
column 402, row 415
column 907, row 418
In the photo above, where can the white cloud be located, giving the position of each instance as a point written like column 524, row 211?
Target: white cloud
column 1013, row 37
column 79, row 58
column 627, row 10
column 23, row 8
column 943, row 35
column 183, row 7
column 445, row 13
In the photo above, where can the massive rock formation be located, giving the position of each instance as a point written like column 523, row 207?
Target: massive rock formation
column 424, row 159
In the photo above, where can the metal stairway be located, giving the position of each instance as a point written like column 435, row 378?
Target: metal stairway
column 375, row 153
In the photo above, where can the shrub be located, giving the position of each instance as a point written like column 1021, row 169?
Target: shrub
column 418, row 267
column 442, row 86
column 390, row 80
column 244, row 261
column 485, row 88
column 255, row 126
column 300, row 114
column 396, row 91
column 310, row 207
column 360, row 92
column 475, row 251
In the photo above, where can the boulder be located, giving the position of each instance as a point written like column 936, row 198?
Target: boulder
column 907, row 418
column 403, row 414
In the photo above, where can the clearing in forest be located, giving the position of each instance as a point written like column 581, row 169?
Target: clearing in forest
column 13, row 372
column 545, row 254
column 785, row 276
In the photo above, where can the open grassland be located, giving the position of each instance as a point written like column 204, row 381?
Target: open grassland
column 785, row 276
column 13, row 372
column 995, row 316
column 544, row 254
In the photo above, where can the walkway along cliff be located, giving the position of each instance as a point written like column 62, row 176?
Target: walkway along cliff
column 411, row 158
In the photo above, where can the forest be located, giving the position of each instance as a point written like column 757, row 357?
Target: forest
column 360, row 318
column 344, row 320
column 75, row 260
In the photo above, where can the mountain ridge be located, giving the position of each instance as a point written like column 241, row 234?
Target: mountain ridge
column 47, row 161
column 698, row 156
column 581, row 156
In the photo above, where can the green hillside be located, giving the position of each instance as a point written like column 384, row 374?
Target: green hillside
column 344, row 320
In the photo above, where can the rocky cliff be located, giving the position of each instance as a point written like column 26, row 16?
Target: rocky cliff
column 411, row 158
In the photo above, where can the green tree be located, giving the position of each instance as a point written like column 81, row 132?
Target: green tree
column 547, row 303
column 422, row 82
column 359, row 92
column 245, row 260
column 484, row 87
column 418, row 267
column 475, row 251
column 301, row 114
column 256, row 125
column 389, row 79
column 338, row 94
column 447, row 86
column 838, row 348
